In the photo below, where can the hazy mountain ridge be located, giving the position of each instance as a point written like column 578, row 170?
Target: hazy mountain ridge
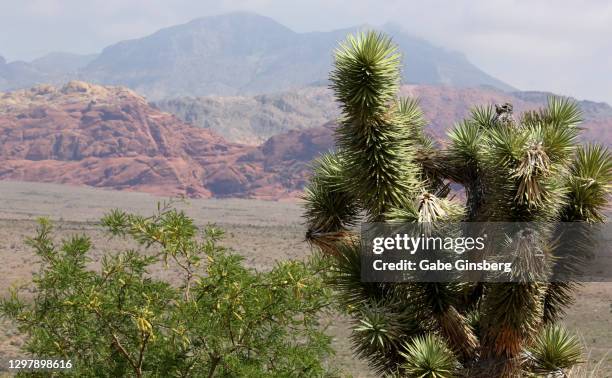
column 234, row 54
column 62, row 63
column 53, row 68
column 253, row 119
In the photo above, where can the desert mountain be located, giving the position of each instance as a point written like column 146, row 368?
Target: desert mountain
column 254, row 119
column 110, row 137
column 52, row 68
column 237, row 54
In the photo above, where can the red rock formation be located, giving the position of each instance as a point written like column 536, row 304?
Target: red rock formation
column 110, row 137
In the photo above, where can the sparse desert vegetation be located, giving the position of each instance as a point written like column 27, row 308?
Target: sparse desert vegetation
column 264, row 232
column 261, row 231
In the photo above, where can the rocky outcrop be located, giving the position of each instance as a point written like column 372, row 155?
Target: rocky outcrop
column 110, row 137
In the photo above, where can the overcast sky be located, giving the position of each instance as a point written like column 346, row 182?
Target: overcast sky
column 563, row 46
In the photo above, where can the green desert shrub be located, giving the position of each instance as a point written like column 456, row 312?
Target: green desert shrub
column 219, row 318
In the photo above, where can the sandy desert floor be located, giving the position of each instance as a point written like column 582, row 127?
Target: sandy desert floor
column 261, row 231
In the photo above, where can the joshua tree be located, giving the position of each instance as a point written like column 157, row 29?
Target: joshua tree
column 385, row 168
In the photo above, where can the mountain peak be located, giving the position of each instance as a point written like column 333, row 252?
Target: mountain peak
column 230, row 23
column 240, row 53
column 236, row 17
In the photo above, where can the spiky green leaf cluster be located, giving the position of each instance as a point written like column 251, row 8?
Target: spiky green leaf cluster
column 589, row 184
column 366, row 76
column 554, row 350
column 429, row 357
column 328, row 203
